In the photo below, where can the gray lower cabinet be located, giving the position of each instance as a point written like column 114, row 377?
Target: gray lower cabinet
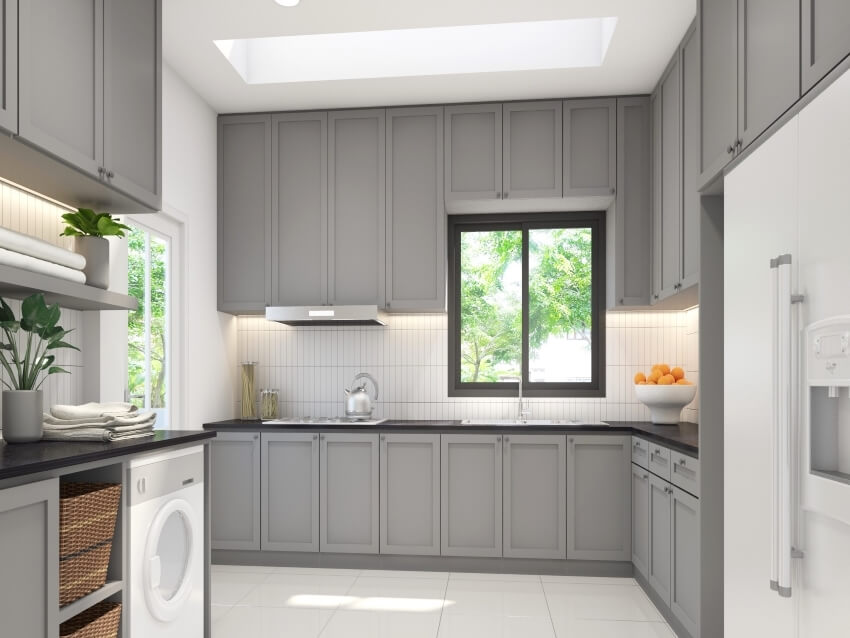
column 416, row 215
column 640, row 519
column 599, row 497
column 685, row 585
column 590, row 147
column 410, row 494
column 825, row 37
column 471, row 495
column 235, row 491
column 632, row 209
column 356, row 207
column 299, row 205
column 29, row 580
column 289, row 490
column 473, row 147
column 9, row 68
column 532, row 151
column 660, row 527
column 534, row 496
column 244, row 213
column 349, row 493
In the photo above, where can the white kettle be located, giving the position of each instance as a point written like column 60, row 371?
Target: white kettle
column 358, row 403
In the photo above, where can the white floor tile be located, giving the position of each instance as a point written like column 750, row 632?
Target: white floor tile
column 386, row 573
column 495, row 597
column 347, row 623
column 217, row 612
column 495, row 626
column 613, row 629
column 570, row 601
column 406, row 587
column 228, row 588
column 305, row 591
column 588, row 580
column 270, row 622
column 241, row 569
column 501, row 577
column 315, row 571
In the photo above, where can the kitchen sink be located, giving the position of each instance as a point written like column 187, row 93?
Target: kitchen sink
column 505, row 422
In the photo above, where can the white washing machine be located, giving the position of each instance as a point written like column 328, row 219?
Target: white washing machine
column 165, row 587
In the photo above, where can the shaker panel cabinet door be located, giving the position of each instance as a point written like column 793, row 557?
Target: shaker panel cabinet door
column 640, row 519
column 289, row 489
column 671, row 180
column 590, row 147
column 535, row 499
column 768, row 54
column 599, row 505
column 300, row 209
column 410, row 494
column 61, row 79
column 471, row 495
column 532, row 149
column 660, row 572
column 656, row 131
column 690, row 207
column 825, row 37
column 235, row 491
column 132, row 98
column 633, row 204
column 416, row 216
column 356, row 207
column 473, row 147
column 29, row 580
column 718, row 24
column 685, row 587
column 349, row 493
column 9, row 66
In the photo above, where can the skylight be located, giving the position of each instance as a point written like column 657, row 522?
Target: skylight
column 485, row 48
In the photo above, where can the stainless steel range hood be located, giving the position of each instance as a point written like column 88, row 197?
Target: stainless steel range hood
column 326, row 315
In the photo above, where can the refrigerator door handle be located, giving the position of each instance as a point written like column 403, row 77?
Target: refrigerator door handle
column 774, row 423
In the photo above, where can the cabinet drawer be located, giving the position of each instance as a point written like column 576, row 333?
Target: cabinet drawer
column 640, row 452
column 659, row 461
column 684, row 472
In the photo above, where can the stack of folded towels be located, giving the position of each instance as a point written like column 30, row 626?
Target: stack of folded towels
column 35, row 255
column 97, row 422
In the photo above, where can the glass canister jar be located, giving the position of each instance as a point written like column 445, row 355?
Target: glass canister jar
column 249, row 408
column 269, row 404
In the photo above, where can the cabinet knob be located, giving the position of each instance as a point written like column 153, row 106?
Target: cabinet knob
column 498, row 439
column 101, row 170
column 507, row 439
column 315, row 436
column 498, row 196
column 645, row 476
column 657, row 451
column 506, row 194
column 321, row 437
column 383, row 437
column 110, row 174
column 731, row 148
column 613, row 191
column 256, row 436
column 655, row 296
column 682, row 461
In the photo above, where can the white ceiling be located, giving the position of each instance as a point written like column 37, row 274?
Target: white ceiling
column 646, row 35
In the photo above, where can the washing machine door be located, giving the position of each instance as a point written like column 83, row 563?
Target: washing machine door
column 168, row 559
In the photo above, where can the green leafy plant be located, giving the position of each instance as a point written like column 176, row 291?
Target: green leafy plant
column 27, row 352
column 86, row 222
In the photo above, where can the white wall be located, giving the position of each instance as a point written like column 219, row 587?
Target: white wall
column 189, row 196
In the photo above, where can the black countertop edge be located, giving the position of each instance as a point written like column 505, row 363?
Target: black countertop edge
column 20, row 459
column 683, row 437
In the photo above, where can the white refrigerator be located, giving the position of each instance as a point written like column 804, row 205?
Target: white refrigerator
column 787, row 379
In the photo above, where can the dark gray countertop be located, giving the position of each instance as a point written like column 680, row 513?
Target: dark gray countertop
column 683, row 437
column 19, row 459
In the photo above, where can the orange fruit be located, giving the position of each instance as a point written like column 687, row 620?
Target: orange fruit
column 651, row 383
column 640, row 377
column 665, row 369
column 667, row 379
column 654, row 376
column 641, row 382
column 683, row 382
column 677, row 373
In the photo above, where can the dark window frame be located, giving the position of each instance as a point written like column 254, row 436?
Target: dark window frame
column 595, row 220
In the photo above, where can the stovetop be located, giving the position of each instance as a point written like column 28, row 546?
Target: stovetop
column 322, row 420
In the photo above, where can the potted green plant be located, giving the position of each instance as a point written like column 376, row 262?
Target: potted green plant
column 27, row 355
column 89, row 230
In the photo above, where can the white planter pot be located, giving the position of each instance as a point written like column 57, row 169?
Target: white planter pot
column 23, row 415
column 96, row 252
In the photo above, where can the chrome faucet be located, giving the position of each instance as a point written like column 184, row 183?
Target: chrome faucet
column 522, row 413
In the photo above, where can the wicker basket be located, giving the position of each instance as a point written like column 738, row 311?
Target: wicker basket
column 83, row 573
column 87, row 513
column 100, row 621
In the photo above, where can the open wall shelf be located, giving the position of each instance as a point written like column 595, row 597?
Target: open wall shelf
column 17, row 284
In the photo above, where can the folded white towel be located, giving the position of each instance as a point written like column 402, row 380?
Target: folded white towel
column 134, row 418
column 89, row 410
column 25, row 262
column 26, row 245
column 94, row 434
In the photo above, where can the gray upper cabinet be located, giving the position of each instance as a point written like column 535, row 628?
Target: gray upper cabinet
column 471, row 495
column 29, row 580
column 244, row 213
column 590, row 147
column 825, row 37
column 410, row 494
column 768, row 48
column 235, row 491
column 659, row 570
column 655, row 190
column 535, row 500
column 9, row 66
column 473, row 147
column 349, row 492
column 599, row 497
column 685, row 586
column 299, row 169
column 718, row 22
column 289, row 491
column 132, row 98
column 632, row 221
column 356, row 207
column 690, row 207
column 416, row 216
column 532, row 152
column 640, row 519
column 61, row 79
